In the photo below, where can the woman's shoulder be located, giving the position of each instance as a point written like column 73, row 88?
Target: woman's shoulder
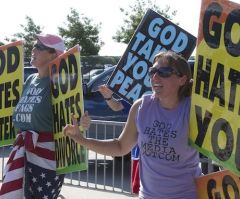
column 145, row 99
column 136, row 104
column 148, row 96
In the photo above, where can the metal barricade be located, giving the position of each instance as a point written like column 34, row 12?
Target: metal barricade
column 104, row 172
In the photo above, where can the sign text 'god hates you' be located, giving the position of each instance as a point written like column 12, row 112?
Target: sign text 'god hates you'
column 215, row 111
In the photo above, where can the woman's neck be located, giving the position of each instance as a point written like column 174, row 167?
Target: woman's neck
column 169, row 103
column 43, row 71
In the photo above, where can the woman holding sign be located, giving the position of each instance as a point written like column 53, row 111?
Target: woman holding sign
column 31, row 169
column 159, row 124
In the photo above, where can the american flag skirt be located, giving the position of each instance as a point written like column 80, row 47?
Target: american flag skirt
column 30, row 172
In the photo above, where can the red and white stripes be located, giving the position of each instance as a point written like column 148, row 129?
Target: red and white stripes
column 36, row 148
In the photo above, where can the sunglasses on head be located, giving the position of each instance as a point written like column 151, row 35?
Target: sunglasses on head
column 162, row 71
column 41, row 47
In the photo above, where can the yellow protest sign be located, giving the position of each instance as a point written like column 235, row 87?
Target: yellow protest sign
column 215, row 111
column 67, row 99
column 222, row 184
column 11, row 85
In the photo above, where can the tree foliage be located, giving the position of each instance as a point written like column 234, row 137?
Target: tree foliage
column 80, row 30
column 28, row 35
column 134, row 15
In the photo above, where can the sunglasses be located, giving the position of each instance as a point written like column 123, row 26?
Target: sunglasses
column 162, row 72
column 41, row 47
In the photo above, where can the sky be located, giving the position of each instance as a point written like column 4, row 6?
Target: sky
column 51, row 14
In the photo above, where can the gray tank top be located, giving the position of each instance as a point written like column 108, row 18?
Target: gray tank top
column 34, row 109
column 168, row 165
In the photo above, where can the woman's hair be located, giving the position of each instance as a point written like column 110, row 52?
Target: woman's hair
column 181, row 66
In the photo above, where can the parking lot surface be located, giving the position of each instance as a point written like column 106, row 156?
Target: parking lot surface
column 75, row 192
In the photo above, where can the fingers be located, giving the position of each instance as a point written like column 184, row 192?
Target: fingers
column 86, row 114
column 73, row 128
column 105, row 91
column 101, row 88
column 68, row 130
column 72, row 132
column 85, row 120
column 74, row 120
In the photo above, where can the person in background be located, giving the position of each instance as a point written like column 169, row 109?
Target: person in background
column 122, row 105
column 114, row 104
column 31, row 169
column 159, row 124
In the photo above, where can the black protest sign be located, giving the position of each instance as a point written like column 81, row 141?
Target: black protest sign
column 154, row 34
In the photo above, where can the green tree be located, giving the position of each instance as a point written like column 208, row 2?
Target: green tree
column 134, row 15
column 28, row 35
column 80, row 30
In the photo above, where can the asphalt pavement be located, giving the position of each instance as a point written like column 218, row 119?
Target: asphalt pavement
column 76, row 192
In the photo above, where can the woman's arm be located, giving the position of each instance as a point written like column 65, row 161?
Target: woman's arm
column 112, row 147
column 114, row 104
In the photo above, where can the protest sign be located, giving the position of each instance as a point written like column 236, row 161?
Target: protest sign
column 67, row 99
column 221, row 184
column 11, row 85
column 215, row 107
column 130, row 79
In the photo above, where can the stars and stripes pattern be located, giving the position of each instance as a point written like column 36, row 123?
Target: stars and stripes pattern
column 42, row 183
column 31, row 169
column 135, row 170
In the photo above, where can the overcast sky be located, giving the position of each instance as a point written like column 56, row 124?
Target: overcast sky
column 51, row 14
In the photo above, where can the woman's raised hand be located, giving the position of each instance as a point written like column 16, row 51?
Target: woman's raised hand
column 105, row 91
column 73, row 131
